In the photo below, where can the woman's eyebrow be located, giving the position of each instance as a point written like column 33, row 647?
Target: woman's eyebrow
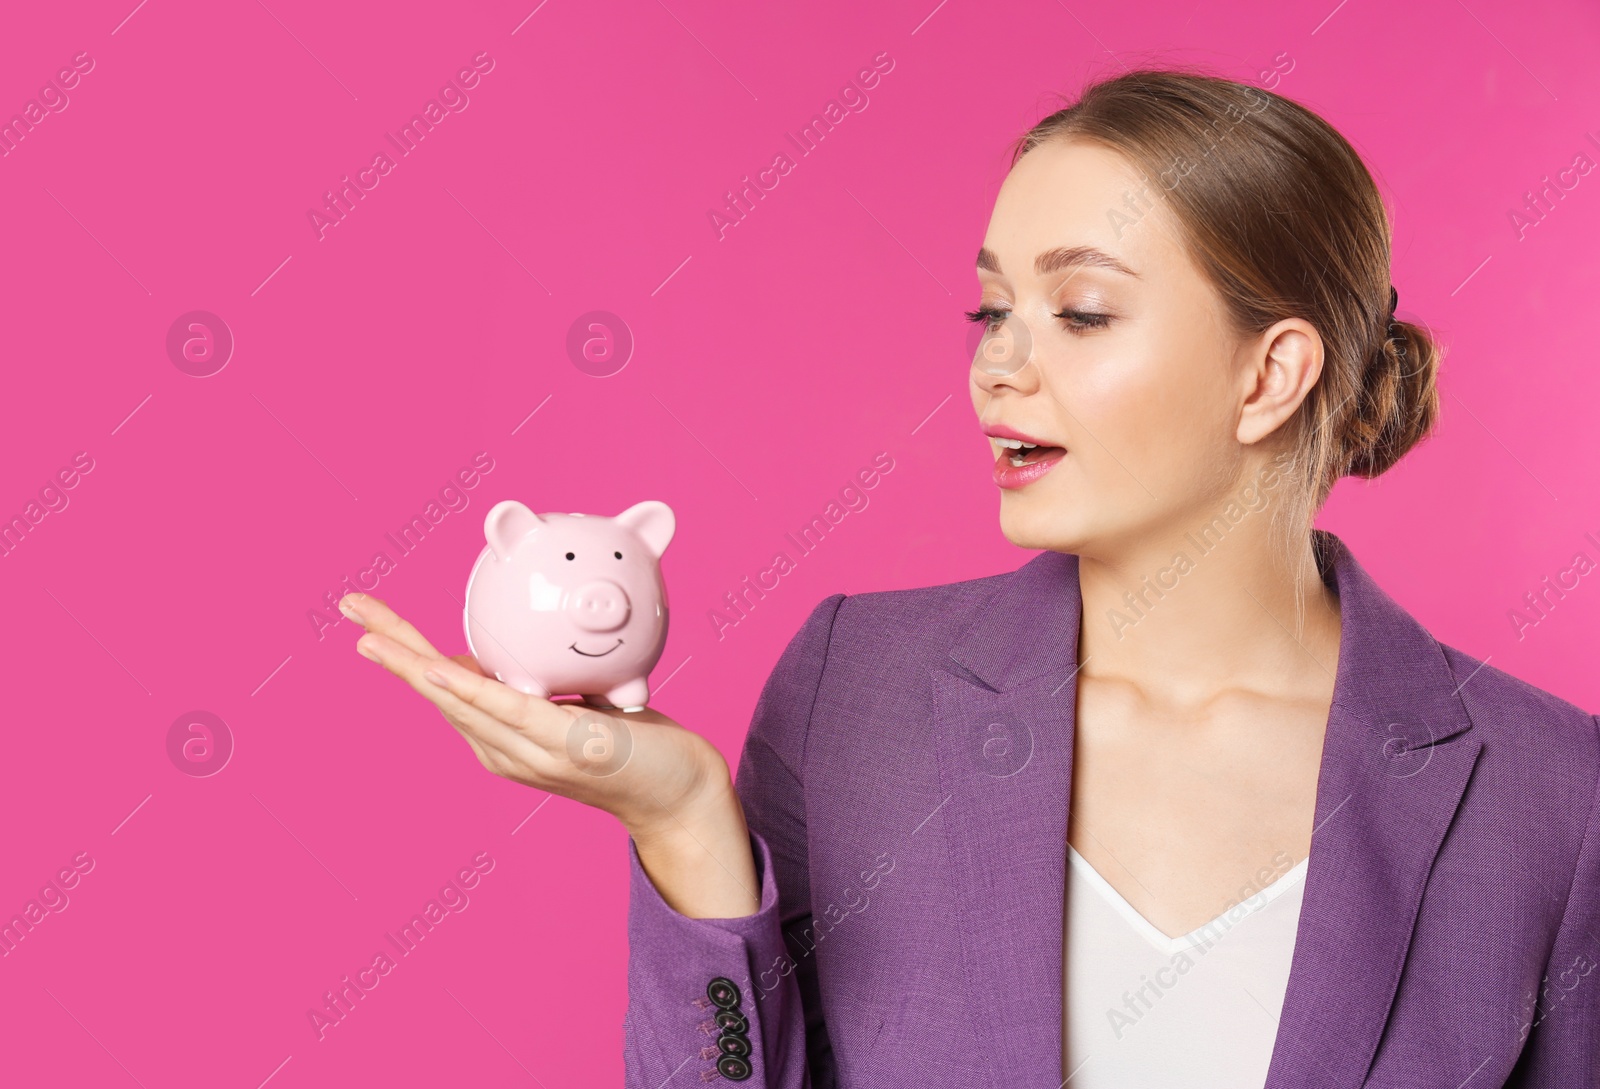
column 1059, row 258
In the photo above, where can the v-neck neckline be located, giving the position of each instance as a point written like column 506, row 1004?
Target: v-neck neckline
column 1399, row 752
column 1199, row 935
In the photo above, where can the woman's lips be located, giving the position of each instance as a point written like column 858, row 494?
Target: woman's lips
column 1000, row 431
column 1039, row 462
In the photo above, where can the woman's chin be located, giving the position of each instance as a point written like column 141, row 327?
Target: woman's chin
column 1043, row 529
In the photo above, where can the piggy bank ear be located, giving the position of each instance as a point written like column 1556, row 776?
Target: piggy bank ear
column 506, row 524
column 653, row 521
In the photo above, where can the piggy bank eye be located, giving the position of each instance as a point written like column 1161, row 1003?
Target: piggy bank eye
column 618, row 555
column 570, row 556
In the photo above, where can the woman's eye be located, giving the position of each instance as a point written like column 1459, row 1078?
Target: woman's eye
column 1083, row 320
column 991, row 318
column 1077, row 321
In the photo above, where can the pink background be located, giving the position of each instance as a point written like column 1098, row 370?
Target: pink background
column 768, row 368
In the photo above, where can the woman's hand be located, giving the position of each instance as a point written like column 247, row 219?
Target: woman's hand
column 670, row 787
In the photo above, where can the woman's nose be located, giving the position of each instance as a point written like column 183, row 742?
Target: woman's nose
column 1003, row 354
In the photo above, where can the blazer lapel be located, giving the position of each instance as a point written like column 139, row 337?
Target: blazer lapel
column 1004, row 739
column 1395, row 763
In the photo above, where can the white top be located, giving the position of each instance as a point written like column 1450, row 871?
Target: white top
column 1145, row 1011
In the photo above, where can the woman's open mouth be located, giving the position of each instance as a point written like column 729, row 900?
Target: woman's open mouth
column 1026, row 453
column 1022, row 463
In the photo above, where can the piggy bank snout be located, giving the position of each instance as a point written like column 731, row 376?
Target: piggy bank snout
column 598, row 606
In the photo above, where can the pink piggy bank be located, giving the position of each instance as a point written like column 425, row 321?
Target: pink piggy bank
column 571, row 604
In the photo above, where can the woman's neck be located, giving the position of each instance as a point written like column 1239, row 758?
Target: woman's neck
column 1187, row 619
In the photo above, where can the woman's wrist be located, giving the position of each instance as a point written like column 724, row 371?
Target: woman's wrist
column 699, row 857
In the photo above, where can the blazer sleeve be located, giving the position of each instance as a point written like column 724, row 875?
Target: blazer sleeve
column 1563, row 1048
column 710, row 998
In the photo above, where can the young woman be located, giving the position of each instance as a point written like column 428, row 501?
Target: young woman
column 1185, row 800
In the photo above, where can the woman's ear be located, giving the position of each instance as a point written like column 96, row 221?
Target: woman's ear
column 1280, row 368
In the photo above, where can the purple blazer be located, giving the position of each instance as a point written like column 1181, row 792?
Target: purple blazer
column 906, row 781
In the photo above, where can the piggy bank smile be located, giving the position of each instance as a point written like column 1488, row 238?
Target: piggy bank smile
column 602, row 654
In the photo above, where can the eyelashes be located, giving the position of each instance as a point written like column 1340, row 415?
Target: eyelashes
column 990, row 318
column 1075, row 321
column 1082, row 321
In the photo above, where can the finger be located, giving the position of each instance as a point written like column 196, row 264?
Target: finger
column 474, row 729
column 410, row 666
column 546, row 723
column 467, row 661
column 491, row 757
column 479, row 749
column 503, row 765
column 375, row 616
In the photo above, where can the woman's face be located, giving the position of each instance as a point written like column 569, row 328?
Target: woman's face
column 1110, row 346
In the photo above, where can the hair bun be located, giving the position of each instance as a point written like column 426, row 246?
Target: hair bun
column 1399, row 401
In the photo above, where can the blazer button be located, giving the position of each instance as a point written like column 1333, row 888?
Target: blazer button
column 724, row 992
column 732, row 1021
column 737, row 1046
column 733, row 1068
